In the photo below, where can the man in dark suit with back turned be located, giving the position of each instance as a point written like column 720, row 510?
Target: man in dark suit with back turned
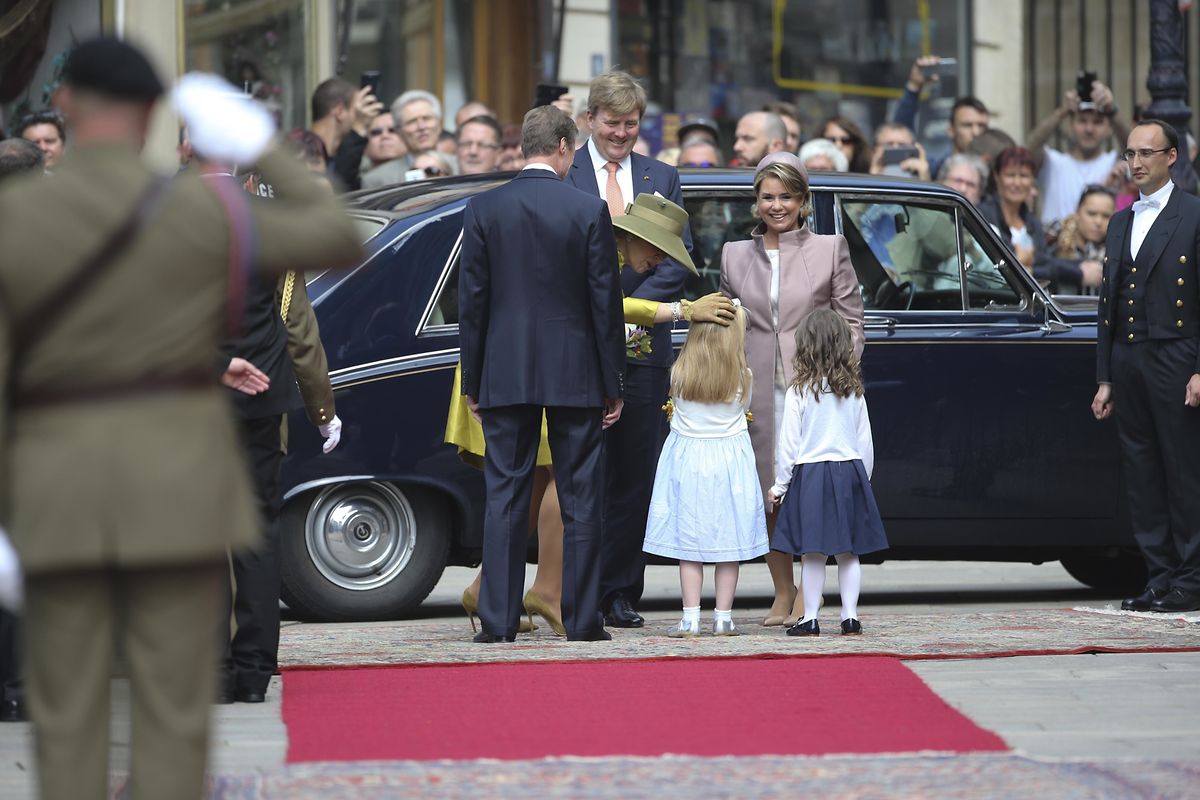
column 608, row 168
column 1148, row 367
column 540, row 327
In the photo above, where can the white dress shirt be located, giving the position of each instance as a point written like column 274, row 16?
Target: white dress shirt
column 1143, row 218
column 624, row 174
column 539, row 165
column 835, row 429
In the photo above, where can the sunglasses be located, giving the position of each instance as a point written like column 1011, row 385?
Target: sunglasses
column 434, row 172
column 381, row 131
column 840, row 139
column 697, row 164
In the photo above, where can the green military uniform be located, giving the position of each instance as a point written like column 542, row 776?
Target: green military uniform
column 305, row 351
column 122, row 508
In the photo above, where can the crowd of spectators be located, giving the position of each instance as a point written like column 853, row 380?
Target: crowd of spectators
column 1051, row 204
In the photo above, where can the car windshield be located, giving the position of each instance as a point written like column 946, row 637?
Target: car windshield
column 406, row 200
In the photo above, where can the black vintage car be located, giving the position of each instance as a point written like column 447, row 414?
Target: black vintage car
column 979, row 385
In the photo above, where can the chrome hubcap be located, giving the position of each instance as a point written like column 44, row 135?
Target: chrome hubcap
column 360, row 536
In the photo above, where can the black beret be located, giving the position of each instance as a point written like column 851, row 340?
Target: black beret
column 112, row 68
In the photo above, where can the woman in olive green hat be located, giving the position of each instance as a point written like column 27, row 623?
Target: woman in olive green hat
column 649, row 232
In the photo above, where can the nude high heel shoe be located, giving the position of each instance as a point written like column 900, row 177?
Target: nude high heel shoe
column 470, row 604
column 535, row 605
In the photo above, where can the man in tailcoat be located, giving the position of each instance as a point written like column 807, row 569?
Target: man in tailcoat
column 131, row 486
column 608, row 168
column 1148, row 367
column 540, row 327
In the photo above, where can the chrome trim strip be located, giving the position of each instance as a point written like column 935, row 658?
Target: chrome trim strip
column 398, row 364
column 301, row 488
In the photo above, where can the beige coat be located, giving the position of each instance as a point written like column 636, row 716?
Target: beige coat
column 814, row 272
column 158, row 478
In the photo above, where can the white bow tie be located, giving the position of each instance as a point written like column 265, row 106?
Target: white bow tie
column 1144, row 205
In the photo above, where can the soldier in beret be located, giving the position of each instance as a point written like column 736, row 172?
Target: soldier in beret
column 129, row 484
column 1148, row 367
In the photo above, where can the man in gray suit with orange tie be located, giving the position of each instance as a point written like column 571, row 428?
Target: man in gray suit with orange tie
column 540, row 327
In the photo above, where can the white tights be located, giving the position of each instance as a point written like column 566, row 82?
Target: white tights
column 812, row 572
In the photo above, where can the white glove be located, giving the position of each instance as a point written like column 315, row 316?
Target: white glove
column 332, row 431
column 11, row 584
column 223, row 124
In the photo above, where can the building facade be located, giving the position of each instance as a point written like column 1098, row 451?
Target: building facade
column 717, row 58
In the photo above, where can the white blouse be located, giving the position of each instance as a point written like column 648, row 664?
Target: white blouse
column 834, row 429
column 710, row 420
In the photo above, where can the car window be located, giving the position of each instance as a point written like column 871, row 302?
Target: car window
column 715, row 220
column 904, row 252
column 443, row 313
column 991, row 284
column 388, row 295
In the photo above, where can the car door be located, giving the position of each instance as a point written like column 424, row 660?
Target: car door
column 978, row 394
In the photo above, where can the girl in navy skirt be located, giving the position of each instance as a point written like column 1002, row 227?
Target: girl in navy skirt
column 823, row 469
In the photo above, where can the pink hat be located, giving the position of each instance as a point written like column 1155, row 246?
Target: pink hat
column 784, row 157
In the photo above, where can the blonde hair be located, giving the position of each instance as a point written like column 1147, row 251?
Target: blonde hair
column 617, row 92
column 711, row 368
column 791, row 179
column 825, row 352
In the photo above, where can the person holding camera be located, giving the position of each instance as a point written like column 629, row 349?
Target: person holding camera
column 969, row 117
column 897, row 152
column 1094, row 119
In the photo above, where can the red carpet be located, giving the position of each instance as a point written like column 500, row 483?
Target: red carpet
column 706, row 707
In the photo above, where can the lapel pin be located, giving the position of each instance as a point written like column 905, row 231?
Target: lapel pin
column 645, row 177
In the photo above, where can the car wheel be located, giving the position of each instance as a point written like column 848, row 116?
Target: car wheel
column 1121, row 572
column 362, row 551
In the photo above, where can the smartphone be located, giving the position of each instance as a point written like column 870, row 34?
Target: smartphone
column 898, row 155
column 944, row 66
column 547, row 93
column 370, row 78
column 1083, row 85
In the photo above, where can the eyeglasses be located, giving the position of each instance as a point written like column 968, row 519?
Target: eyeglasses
column 480, row 145
column 381, row 131
column 1144, row 153
column 697, row 164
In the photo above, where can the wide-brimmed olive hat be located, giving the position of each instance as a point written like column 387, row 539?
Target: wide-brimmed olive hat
column 660, row 222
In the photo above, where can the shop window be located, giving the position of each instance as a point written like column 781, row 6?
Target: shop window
column 259, row 46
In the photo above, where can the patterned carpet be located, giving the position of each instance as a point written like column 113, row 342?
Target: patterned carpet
column 951, row 635
column 976, row 777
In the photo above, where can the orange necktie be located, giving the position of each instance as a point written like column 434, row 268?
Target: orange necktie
column 612, row 191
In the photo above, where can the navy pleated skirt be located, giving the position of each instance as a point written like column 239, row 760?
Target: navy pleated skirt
column 829, row 508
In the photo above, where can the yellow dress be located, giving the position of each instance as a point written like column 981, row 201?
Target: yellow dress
column 464, row 431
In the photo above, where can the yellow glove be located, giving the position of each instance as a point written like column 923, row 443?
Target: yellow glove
column 714, row 307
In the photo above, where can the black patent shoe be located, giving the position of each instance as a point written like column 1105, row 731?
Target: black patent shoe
column 621, row 615
column 809, row 628
column 1176, row 601
column 1145, row 600
column 245, row 696
column 483, row 637
column 12, row 710
column 851, row 627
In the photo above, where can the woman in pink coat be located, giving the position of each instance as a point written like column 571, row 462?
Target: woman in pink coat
column 781, row 274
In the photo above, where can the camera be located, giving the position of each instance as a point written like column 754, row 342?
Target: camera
column 898, row 155
column 547, row 93
column 1083, row 88
column 370, row 78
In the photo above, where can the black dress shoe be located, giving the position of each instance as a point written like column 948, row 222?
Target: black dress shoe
column 1175, row 601
column 621, row 615
column 251, row 697
column 851, row 627
column 483, row 637
column 1144, row 600
column 598, row 635
column 810, row 628
column 12, row 710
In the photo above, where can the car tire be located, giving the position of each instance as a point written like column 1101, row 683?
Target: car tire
column 362, row 551
column 1120, row 572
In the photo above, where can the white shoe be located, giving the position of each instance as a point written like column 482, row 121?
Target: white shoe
column 685, row 630
column 725, row 627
